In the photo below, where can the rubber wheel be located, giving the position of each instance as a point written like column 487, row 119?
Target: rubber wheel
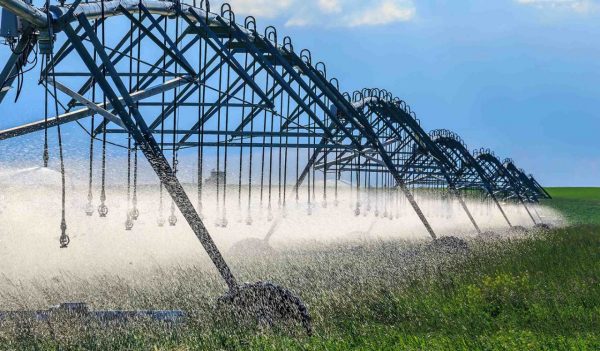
column 251, row 247
column 268, row 304
column 449, row 245
column 517, row 229
column 542, row 226
column 489, row 235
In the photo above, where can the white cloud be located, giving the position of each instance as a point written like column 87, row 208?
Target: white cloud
column 258, row 8
column 330, row 6
column 580, row 6
column 387, row 12
column 331, row 13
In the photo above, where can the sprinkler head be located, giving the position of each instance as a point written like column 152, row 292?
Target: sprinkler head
column 46, row 156
column 89, row 209
column 128, row 223
column 135, row 213
column 160, row 221
column 64, row 241
column 102, row 210
column 224, row 222
column 172, row 220
column 64, row 238
column 357, row 211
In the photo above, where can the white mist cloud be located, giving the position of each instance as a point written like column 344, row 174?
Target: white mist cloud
column 330, row 13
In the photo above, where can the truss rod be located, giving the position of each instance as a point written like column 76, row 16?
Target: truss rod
column 86, row 112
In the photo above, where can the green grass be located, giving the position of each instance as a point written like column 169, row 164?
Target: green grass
column 538, row 292
column 578, row 205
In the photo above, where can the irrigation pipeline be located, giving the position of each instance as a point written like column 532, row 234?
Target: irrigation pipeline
column 170, row 76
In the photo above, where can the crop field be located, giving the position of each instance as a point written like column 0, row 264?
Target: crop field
column 579, row 205
column 539, row 290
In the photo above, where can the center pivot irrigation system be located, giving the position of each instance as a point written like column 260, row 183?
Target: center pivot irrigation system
column 168, row 76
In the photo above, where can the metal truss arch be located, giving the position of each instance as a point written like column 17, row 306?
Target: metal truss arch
column 182, row 77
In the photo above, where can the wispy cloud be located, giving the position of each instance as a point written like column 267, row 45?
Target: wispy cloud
column 579, row 6
column 258, row 8
column 386, row 12
column 329, row 13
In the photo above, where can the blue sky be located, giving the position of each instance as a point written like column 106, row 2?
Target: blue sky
column 519, row 76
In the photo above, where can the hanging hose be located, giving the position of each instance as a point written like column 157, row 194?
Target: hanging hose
column 357, row 208
column 262, row 159
column 201, row 110
column 270, row 196
column 161, row 219
column 240, row 166
column 252, row 99
column 43, row 74
column 172, row 217
column 129, row 217
column 366, row 189
column 279, row 171
column 103, row 209
column 224, row 221
column 308, row 174
column 285, row 164
column 46, row 155
column 64, row 239
column 89, row 209
column 135, row 213
column 218, row 220
column 376, row 195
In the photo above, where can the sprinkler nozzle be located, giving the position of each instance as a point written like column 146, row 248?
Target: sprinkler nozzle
column 172, row 220
column 102, row 210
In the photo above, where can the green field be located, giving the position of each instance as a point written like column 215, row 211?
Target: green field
column 578, row 205
column 537, row 292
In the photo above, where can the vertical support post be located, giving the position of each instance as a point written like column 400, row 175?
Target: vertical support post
column 495, row 199
column 464, row 206
column 526, row 209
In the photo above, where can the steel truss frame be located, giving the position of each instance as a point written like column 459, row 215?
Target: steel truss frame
column 249, row 92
